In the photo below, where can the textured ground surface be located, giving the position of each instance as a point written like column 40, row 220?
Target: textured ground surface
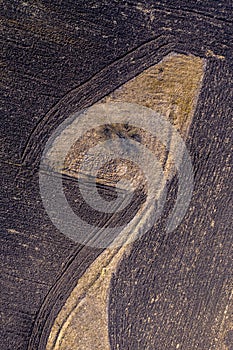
column 171, row 292
column 171, row 88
